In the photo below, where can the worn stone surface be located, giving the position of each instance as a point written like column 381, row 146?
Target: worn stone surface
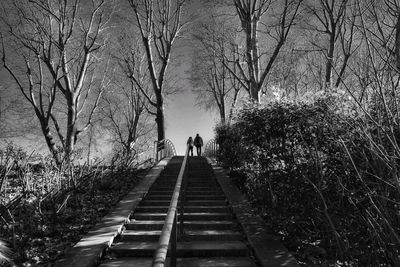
column 89, row 249
column 269, row 250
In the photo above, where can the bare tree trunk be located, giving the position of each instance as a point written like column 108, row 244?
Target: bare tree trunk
column 49, row 141
column 160, row 123
column 254, row 92
column 222, row 113
column 251, row 58
column 329, row 60
column 233, row 105
column 71, row 127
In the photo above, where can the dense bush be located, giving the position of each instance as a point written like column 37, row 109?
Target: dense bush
column 311, row 172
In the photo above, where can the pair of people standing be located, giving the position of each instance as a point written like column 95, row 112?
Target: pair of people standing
column 197, row 142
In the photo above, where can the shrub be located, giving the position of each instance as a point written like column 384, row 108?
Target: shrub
column 312, row 172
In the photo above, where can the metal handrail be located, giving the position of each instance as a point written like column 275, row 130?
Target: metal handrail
column 211, row 149
column 170, row 223
column 163, row 148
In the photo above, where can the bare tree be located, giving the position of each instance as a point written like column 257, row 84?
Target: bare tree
column 127, row 120
column 384, row 17
column 159, row 24
column 335, row 20
column 212, row 81
column 58, row 45
column 281, row 17
column 288, row 73
column 126, row 108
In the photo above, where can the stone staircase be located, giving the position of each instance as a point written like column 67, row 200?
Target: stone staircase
column 212, row 237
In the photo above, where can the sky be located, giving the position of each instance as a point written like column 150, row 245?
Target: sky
column 184, row 119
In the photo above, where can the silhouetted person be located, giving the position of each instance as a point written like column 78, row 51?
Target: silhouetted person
column 198, row 142
column 190, row 144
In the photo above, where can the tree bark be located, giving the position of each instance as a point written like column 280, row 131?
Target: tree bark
column 329, row 61
column 49, row 140
column 160, row 124
column 71, row 127
column 160, row 117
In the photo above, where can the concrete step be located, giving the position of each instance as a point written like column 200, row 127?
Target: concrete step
column 198, row 216
column 190, row 183
column 133, row 249
column 202, row 183
column 210, row 225
column 192, row 189
column 206, row 202
column 208, row 192
column 165, row 203
column 205, row 197
column 212, row 249
column 200, row 178
column 188, row 197
column 190, row 180
column 149, row 235
column 184, row 262
column 184, row 249
column 202, row 172
column 188, row 225
column 144, row 225
column 157, row 197
column 189, row 235
column 190, row 209
column 203, row 188
column 189, row 192
column 210, row 184
column 200, row 186
column 212, row 235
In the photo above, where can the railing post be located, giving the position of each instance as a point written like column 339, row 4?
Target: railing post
column 174, row 242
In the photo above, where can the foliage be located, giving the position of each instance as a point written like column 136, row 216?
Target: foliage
column 311, row 172
column 44, row 210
